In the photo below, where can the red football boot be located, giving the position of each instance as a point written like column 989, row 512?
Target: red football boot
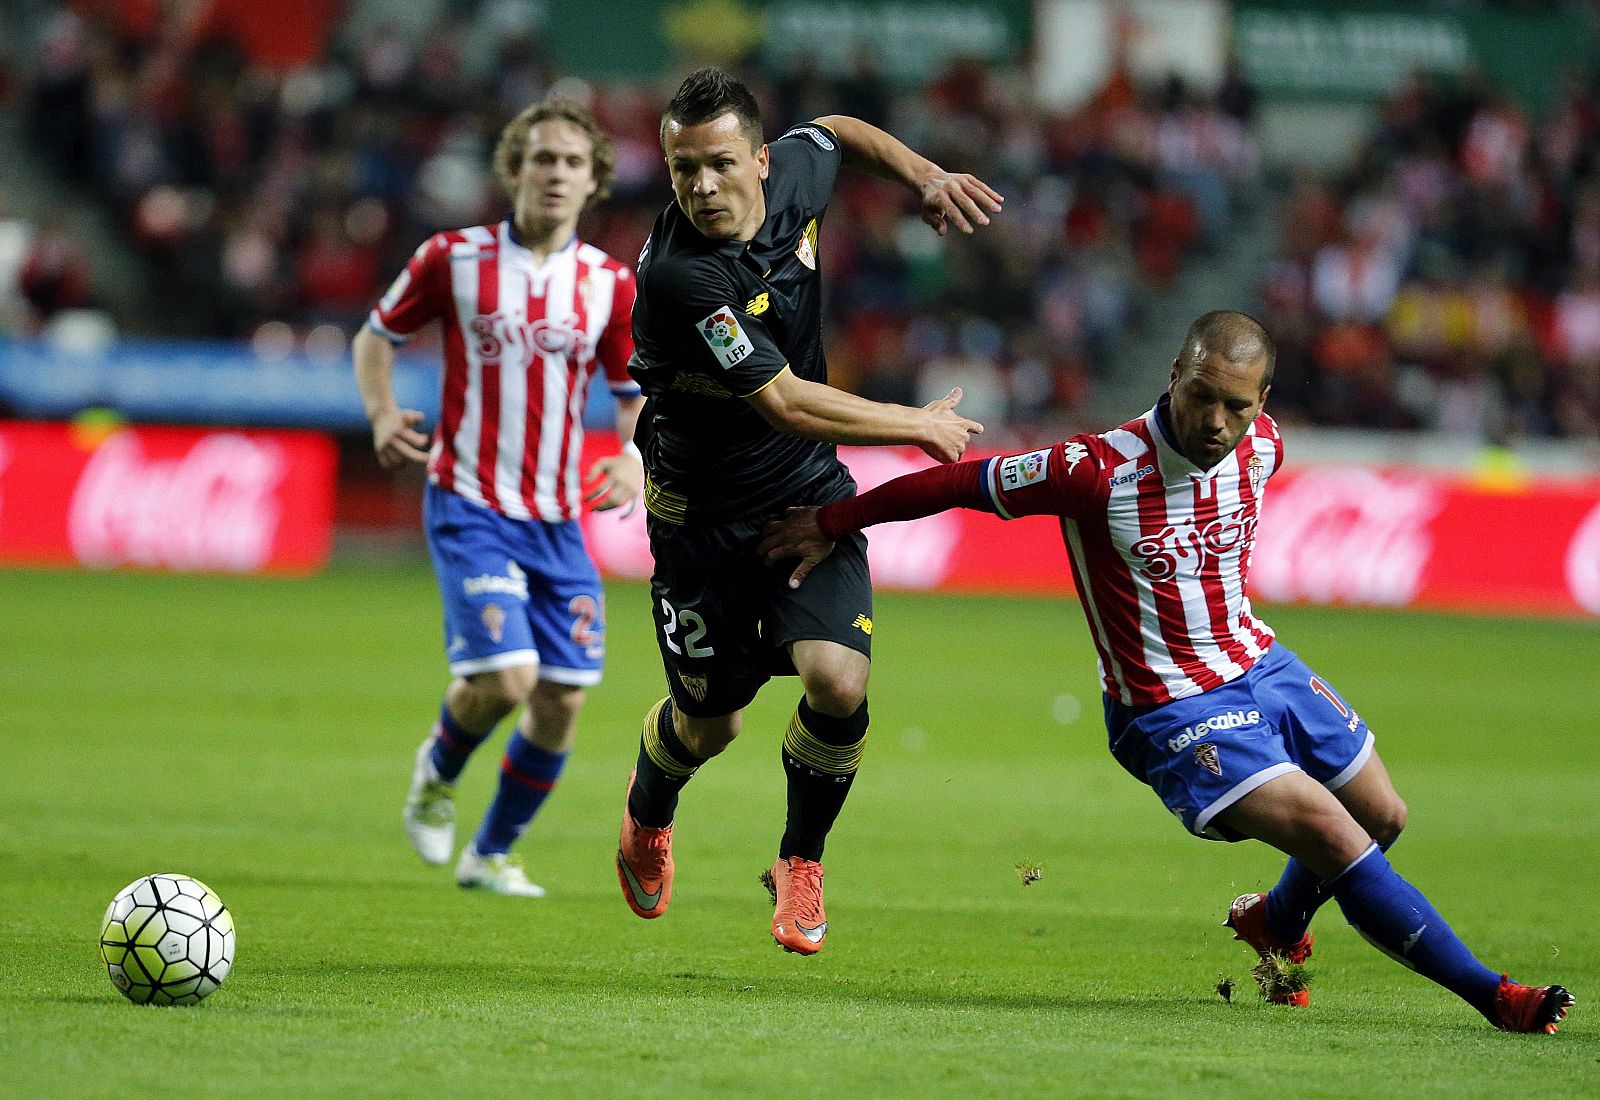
column 1247, row 916
column 1529, row 1008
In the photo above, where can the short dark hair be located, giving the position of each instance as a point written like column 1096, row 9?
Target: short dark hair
column 1237, row 337
column 513, row 144
column 710, row 93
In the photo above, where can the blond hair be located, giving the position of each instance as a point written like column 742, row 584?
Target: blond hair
column 513, row 145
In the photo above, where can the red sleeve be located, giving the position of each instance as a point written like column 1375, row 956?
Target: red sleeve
column 418, row 294
column 1062, row 480
column 616, row 341
column 936, row 489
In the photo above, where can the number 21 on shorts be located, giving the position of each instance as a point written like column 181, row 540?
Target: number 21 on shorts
column 692, row 623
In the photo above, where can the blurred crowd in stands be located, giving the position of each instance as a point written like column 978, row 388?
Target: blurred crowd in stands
column 1451, row 280
column 259, row 197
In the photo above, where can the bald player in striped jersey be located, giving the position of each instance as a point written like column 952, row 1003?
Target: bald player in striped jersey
column 1237, row 736
column 529, row 314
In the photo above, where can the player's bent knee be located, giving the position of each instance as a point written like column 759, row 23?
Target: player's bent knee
column 1387, row 829
column 562, row 698
column 1330, row 845
column 837, row 699
column 504, row 689
column 839, row 688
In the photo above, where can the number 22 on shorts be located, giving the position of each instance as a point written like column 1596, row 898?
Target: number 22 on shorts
column 693, row 623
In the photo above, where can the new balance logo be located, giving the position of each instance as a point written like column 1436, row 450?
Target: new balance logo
column 863, row 624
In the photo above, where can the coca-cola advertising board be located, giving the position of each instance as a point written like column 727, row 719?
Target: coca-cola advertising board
column 1349, row 535
column 179, row 499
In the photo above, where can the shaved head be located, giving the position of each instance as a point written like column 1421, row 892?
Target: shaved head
column 1235, row 337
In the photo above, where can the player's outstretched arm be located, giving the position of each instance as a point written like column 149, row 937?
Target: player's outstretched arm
column 395, row 438
column 812, row 410
column 808, row 534
column 947, row 197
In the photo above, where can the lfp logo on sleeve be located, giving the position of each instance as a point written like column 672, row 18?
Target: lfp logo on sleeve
column 727, row 341
column 1019, row 470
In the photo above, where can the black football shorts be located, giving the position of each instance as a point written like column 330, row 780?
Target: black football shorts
column 724, row 619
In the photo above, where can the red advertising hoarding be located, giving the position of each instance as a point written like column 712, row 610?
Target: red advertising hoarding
column 1356, row 536
column 180, row 499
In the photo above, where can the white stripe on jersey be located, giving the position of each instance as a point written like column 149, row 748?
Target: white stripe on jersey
column 1230, row 499
column 464, row 289
column 557, row 284
column 1124, row 505
column 1197, row 609
column 1074, row 537
column 515, row 290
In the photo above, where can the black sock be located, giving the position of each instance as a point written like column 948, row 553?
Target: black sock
column 664, row 766
column 820, row 756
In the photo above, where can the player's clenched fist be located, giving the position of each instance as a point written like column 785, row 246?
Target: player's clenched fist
column 948, row 431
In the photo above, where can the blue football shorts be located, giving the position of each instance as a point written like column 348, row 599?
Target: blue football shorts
column 515, row 592
column 1203, row 753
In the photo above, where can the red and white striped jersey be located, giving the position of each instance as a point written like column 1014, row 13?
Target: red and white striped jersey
column 1160, row 550
column 521, row 342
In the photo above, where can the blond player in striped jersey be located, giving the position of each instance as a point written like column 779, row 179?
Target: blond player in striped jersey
column 529, row 313
column 1238, row 737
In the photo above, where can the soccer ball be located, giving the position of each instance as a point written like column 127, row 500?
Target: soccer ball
column 167, row 940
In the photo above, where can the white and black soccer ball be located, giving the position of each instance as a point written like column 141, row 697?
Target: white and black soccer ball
column 167, row 939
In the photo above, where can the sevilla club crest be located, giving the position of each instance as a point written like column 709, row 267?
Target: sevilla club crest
column 696, row 686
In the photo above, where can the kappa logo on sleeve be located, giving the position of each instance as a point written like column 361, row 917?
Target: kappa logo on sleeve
column 1018, row 471
column 1075, row 453
column 727, row 341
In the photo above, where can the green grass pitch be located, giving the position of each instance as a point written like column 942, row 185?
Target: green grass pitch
column 258, row 734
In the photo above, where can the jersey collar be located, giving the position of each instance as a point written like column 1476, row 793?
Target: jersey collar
column 508, row 232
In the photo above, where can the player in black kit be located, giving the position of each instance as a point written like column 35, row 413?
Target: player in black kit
column 740, row 424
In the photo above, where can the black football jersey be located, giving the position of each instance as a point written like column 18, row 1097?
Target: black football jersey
column 714, row 322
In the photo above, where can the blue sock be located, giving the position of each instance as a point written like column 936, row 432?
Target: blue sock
column 1393, row 916
column 1292, row 903
column 1295, row 900
column 452, row 745
column 526, row 777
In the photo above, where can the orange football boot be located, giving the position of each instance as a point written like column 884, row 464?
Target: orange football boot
column 798, row 922
column 644, row 864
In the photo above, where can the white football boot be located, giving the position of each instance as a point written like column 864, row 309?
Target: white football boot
column 499, row 874
column 430, row 815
